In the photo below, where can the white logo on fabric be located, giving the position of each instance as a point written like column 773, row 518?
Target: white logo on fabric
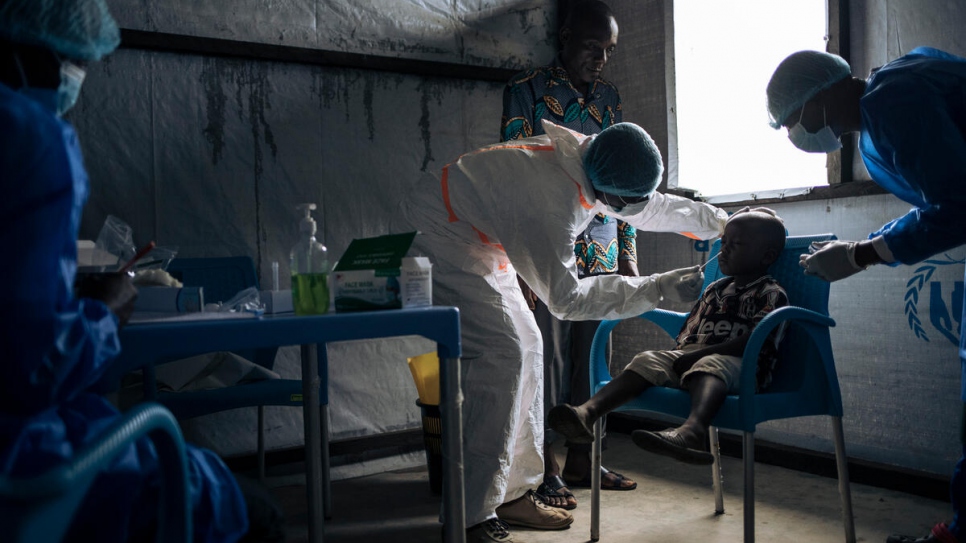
column 945, row 308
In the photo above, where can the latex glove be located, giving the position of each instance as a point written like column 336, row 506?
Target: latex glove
column 116, row 290
column 683, row 285
column 830, row 260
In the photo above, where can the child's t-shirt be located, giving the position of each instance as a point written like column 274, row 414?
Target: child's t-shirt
column 726, row 312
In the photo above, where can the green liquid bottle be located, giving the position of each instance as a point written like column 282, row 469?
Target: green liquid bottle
column 310, row 269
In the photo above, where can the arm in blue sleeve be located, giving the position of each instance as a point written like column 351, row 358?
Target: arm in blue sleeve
column 925, row 143
column 518, row 109
column 53, row 345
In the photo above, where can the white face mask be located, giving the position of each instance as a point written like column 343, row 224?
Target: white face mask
column 65, row 96
column 823, row 141
column 71, row 78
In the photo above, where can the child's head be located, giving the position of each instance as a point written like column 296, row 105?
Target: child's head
column 753, row 239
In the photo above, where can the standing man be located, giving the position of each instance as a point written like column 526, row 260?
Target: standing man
column 911, row 117
column 571, row 93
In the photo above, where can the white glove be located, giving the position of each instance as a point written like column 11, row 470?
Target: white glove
column 830, row 260
column 682, row 285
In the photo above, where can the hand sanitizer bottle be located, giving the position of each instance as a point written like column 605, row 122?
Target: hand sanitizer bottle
column 310, row 268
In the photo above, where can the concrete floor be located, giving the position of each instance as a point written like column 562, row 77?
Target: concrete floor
column 673, row 502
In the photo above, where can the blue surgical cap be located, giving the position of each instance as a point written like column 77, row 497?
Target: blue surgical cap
column 799, row 78
column 76, row 29
column 623, row 160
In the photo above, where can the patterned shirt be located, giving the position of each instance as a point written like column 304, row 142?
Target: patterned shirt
column 547, row 93
column 726, row 312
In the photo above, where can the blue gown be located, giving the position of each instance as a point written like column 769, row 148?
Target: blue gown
column 55, row 345
column 913, row 142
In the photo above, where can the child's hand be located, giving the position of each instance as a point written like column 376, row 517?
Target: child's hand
column 684, row 363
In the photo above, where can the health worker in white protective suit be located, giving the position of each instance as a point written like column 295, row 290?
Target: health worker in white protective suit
column 516, row 208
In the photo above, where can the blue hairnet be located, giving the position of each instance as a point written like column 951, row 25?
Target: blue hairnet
column 77, row 29
column 799, row 78
column 623, row 160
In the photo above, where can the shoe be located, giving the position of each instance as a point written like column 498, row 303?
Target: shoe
column 618, row 483
column 940, row 534
column 530, row 512
column 555, row 487
column 489, row 531
column 671, row 443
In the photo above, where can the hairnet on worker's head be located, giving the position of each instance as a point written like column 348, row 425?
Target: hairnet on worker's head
column 799, row 78
column 623, row 160
column 76, row 29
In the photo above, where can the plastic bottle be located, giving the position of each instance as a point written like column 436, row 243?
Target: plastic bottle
column 310, row 268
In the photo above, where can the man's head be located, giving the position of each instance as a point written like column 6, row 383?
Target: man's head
column 588, row 38
column 623, row 162
column 753, row 239
column 814, row 95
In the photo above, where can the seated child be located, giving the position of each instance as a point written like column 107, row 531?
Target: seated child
column 707, row 358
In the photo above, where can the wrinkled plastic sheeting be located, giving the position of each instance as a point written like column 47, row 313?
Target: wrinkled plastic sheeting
column 495, row 33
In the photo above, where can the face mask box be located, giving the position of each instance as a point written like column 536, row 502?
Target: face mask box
column 375, row 273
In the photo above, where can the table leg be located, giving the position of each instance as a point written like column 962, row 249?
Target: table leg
column 454, row 504
column 313, row 441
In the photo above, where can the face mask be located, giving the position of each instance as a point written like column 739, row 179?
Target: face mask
column 823, row 141
column 64, row 96
column 71, row 78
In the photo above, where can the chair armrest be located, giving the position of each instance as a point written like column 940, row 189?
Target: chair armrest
column 808, row 319
column 68, row 484
column 669, row 321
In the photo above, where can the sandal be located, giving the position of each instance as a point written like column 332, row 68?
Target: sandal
column 672, row 444
column 940, row 534
column 555, row 487
column 618, row 483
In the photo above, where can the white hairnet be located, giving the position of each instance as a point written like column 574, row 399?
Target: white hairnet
column 77, row 29
column 799, row 78
column 623, row 160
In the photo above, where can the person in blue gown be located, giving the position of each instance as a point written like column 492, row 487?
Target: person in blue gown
column 911, row 118
column 56, row 343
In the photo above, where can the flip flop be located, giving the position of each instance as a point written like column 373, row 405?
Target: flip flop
column 617, row 485
column 940, row 534
column 564, row 419
column 555, row 487
column 670, row 443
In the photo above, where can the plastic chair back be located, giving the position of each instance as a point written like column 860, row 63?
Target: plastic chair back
column 39, row 509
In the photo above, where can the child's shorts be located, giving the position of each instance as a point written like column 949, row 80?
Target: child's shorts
column 658, row 368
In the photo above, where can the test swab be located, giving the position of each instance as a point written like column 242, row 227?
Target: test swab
column 138, row 256
column 705, row 265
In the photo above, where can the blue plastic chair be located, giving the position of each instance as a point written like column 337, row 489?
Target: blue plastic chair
column 221, row 279
column 39, row 509
column 804, row 382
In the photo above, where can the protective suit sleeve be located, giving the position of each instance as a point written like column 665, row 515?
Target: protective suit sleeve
column 915, row 131
column 54, row 345
column 670, row 213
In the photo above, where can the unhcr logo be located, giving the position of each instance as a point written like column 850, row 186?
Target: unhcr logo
column 945, row 301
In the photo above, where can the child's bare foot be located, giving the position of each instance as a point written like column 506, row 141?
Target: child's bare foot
column 572, row 422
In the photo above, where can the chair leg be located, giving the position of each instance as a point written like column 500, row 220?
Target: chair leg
column 716, row 480
column 845, row 492
column 326, row 475
column 595, row 480
column 261, row 443
column 748, row 452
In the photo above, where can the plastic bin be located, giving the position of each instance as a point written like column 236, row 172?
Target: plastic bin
column 433, row 440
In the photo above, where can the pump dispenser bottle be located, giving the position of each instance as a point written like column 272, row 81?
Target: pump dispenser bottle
column 310, row 268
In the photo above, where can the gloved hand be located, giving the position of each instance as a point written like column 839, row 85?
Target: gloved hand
column 683, row 285
column 116, row 290
column 830, row 260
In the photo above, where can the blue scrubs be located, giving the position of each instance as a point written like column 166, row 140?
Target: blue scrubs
column 55, row 346
column 913, row 142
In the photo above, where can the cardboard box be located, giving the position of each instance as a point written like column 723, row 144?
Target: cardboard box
column 277, row 301
column 170, row 300
column 375, row 273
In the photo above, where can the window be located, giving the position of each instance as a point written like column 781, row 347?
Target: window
column 724, row 54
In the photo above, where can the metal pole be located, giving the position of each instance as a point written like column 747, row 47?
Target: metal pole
column 313, row 444
column 451, row 413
